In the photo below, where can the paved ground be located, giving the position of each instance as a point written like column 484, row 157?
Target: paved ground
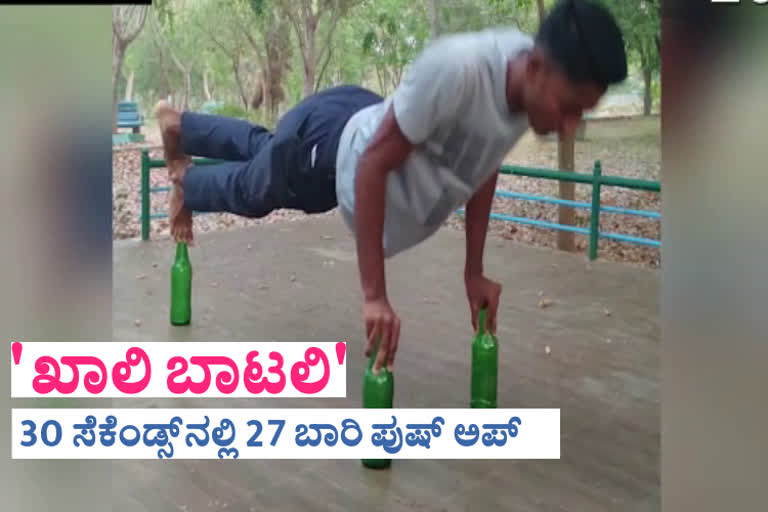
column 299, row 281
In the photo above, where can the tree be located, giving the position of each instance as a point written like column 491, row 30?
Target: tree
column 127, row 23
column 232, row 43
column 640, row 24
column 272, row 46
column 178, row 45
column 305, row 16
column 395, row 34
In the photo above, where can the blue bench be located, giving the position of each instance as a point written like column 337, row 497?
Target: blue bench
column 128, row 116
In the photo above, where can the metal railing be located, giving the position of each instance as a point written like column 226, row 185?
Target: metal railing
column 147, row 164
column 596, row 180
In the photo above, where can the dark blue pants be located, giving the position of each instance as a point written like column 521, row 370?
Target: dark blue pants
column 292, row 168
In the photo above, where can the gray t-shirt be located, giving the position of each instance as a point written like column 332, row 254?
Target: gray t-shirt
column 452, row 105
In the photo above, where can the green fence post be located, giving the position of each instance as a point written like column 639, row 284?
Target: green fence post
column 145, row 194
column 594, row 228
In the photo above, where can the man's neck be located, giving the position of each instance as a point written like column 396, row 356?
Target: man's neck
column 515, row 74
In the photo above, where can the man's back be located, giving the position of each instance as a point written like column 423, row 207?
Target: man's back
column 452, row 105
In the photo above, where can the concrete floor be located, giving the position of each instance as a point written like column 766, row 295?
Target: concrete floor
column 299, row 281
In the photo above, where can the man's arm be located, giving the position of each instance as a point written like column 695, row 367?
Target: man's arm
column 429, row 95
column 478, row 211
column 481, row 292
column 387, row 151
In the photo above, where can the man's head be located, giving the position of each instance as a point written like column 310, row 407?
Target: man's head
column 579, row 52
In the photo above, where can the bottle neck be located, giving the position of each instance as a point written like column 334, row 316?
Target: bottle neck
column 181, row 252
column 481, row 322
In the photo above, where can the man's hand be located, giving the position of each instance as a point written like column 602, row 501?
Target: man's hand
column 381, row 323
column 482, row 292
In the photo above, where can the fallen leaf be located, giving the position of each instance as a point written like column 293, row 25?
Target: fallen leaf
column 607, row 312
column 293, row 277
column 137, row 322
column 249, row 247
column 547, row 350
column 545, row 303
column 141, row 276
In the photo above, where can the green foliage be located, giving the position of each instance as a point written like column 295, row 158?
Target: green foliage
column 372, row 44
column 229, row 110
column 258, row 6
column 640, row 24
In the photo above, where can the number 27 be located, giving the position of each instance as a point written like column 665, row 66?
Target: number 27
column 253, row 442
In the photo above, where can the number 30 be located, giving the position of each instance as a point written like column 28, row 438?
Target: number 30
column 30, row 433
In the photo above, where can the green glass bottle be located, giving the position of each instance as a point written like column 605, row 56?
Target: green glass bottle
column 378, row 391
column 181, row 287
column 485, row 364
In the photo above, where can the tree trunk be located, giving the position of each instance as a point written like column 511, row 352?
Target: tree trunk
column 645, row 66
column 129, row 86
column 648, row 98
column 206, row 88
column 309, row 57
column 239, row 80
column 187, row 89
column 118, row 55
column 565, row 157
column 542, row 11
column 434, row 19
column 382, row 82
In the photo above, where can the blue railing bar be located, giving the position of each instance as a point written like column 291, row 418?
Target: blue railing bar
column 541, row 223
column 582, row 231
column 629, row 211
column 165, row 215
column 160, row 189
column 632, row 239
column 576, row 204
column 534, row 222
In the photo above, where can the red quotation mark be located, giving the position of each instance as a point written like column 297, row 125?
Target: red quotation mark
column 16, row 351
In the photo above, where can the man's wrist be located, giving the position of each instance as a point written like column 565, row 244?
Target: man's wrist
column 472, row 271
column 374, row 294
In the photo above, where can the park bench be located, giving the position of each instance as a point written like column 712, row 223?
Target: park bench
column 128, row 116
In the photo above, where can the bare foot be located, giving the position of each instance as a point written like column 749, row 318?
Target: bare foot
column 180, row 218
column 169, row 121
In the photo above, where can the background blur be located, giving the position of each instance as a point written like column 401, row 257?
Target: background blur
column 714, row 277
column 55, row 106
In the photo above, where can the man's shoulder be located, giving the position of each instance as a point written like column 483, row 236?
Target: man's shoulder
column 482, row 43
column 469, row 56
